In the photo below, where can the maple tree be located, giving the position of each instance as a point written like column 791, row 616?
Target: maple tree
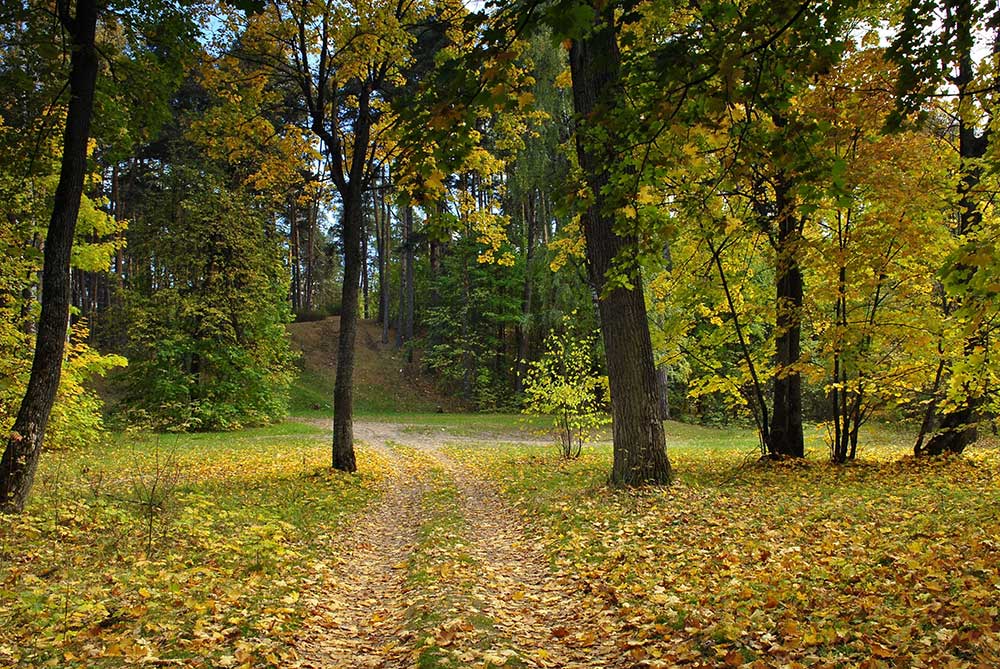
column 640, row 455
column 932, row 55
column 877, row 229
column 27, row 187
column 562, row 384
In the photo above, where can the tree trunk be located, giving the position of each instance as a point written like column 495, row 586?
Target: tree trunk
column 786, row 422
column 957, row 425
column 20, row 457
column 435, row 253
column 380, row 246
column 639, row 453
column 401, row 308
column 410, row 254
column 663, row 384
column 343, row 393
column 530, row 215
column 364, row 267
column 310, row 287
column 295, row 256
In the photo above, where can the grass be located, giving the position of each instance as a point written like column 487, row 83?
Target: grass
column 383, row 380
column 431, row 568
column 467, row 425
column 165, row 547
column 311, row 396
column 195, row 547
column 442, row 575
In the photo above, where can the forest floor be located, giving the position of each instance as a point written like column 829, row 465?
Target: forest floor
column 465, row 541
column 442, row 571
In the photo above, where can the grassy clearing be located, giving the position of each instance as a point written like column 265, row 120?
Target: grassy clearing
column 886, row 562
column 172, row 547
column 467, row 425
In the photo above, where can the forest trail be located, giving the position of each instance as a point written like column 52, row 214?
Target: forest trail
column 357, row 605
column 441, row 572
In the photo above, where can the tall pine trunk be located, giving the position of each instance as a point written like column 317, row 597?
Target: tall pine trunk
column 530, row 216
column 343, row 393
column 401, row 307
column 410, row 253
column 311, row 215
column 639, row 452
column 20, row 457
column 382, row 241
column 294, row 256
column 364, row 268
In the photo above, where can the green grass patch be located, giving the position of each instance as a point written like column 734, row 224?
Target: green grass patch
column 311, row 396
column 435, row 566
column 470, row 426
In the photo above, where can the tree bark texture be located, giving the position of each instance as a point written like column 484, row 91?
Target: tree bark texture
column 343, row 393
column 410, row 297
column 295, row 259
column 786, row 422
column 20, row 457
column 639, row 452
column 382, row 243
column 401, row 307
column 364, row 268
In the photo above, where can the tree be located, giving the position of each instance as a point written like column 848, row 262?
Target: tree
column 639, row 445
column 934, row 48
column 346, row 63
column 563, row 385
column 877, row 229
column 207, row 305
column 20, row 457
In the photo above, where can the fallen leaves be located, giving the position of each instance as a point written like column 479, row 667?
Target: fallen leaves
column 887, row 563
column 875, row 564
column 228, row 553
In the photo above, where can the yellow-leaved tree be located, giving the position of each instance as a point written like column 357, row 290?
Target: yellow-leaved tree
column 341, row 67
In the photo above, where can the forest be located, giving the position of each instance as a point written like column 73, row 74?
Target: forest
column 737, row 259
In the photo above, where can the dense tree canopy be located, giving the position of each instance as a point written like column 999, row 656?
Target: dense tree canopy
column 778, row 213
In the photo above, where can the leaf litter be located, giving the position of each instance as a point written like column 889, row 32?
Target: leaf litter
column 441, row 571
column 448, row 552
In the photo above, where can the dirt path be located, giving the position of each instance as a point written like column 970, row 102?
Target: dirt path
column 538, row 618
column 356, row 614
column 532, row 617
